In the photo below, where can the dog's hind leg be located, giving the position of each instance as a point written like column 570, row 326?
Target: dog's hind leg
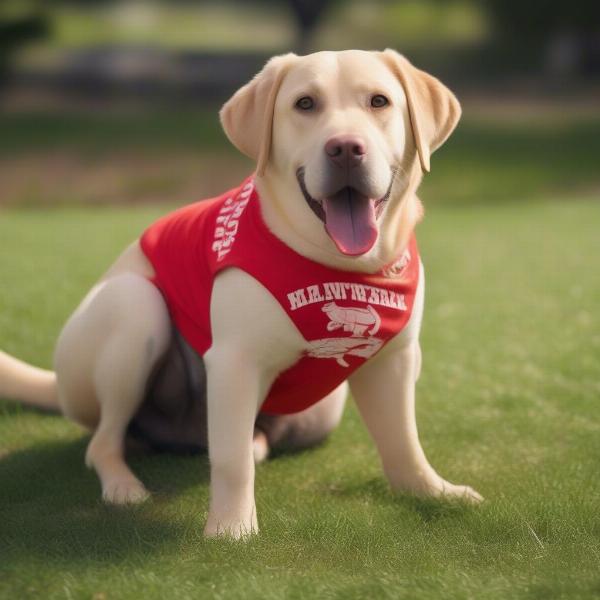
column 107, row 350
column 306, row 428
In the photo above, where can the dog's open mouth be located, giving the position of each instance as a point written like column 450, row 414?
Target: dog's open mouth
column 350, row 217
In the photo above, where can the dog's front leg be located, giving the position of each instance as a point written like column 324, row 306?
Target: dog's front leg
column 234, row 396
column 253, row 341
column 384, row 391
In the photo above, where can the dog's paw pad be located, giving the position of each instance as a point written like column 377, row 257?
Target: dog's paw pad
column 130, row 491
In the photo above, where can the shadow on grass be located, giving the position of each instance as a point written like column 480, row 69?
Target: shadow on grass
column 50, row 506
column 11, row 408
column 429, row 510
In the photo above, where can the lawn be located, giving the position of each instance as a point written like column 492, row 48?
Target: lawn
column 507, row 402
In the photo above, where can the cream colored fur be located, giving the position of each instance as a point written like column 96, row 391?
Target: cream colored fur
column 108, row 347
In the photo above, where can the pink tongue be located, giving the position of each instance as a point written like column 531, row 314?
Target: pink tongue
column 350, row 221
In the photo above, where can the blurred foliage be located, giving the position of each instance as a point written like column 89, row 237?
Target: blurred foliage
column 32, row 21
column 463, row 38
column 564, row 36
column 20, row 22
column 540, row 18
column 218, row 26
column 432, row 22
column 259, row 26
column 307, row 14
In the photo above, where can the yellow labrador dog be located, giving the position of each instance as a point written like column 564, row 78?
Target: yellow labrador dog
column 366, row 121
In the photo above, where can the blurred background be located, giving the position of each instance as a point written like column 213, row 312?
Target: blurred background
column 108, row 119
column 116, row 101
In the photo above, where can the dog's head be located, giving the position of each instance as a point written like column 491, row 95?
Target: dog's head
column 340, row 135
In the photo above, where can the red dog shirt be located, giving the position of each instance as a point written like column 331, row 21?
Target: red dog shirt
column 344, row 317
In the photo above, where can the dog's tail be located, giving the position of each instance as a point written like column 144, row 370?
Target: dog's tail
column 28, row 384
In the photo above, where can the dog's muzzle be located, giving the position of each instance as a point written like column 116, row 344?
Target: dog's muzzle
column 350, row 217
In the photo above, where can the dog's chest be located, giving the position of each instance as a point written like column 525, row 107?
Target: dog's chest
column 345, row 318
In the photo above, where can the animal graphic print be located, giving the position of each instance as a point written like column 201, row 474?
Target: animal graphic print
column 354, row 320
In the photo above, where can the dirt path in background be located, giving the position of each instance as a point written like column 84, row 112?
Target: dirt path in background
column 66, row 177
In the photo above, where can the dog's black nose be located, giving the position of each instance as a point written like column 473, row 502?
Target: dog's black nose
column 346, row 150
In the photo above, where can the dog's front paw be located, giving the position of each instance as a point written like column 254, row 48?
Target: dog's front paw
column 436, row 487
column 235, row 531
column 445, row 489
column 124, row 491
column 233, row 528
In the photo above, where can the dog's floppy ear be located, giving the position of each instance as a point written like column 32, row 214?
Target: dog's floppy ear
column 247, row 117
column 433, row 109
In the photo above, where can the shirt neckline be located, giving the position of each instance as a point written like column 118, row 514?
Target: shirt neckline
column 254, row 206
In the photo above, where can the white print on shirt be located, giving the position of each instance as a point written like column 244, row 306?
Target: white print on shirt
column 227, row 221
column 354, row 320
column 357, row 322
column 338, row 290
column 399, row 265
column 338, row 347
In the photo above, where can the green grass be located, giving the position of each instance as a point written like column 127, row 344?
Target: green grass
column 508, row 399
column 507, row 403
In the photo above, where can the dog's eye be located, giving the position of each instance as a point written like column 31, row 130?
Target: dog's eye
column 379, row 101
column 305, row 103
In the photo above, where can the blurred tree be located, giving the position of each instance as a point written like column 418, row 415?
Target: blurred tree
column 307, row 14
column 565, row 34
column 18, row 25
